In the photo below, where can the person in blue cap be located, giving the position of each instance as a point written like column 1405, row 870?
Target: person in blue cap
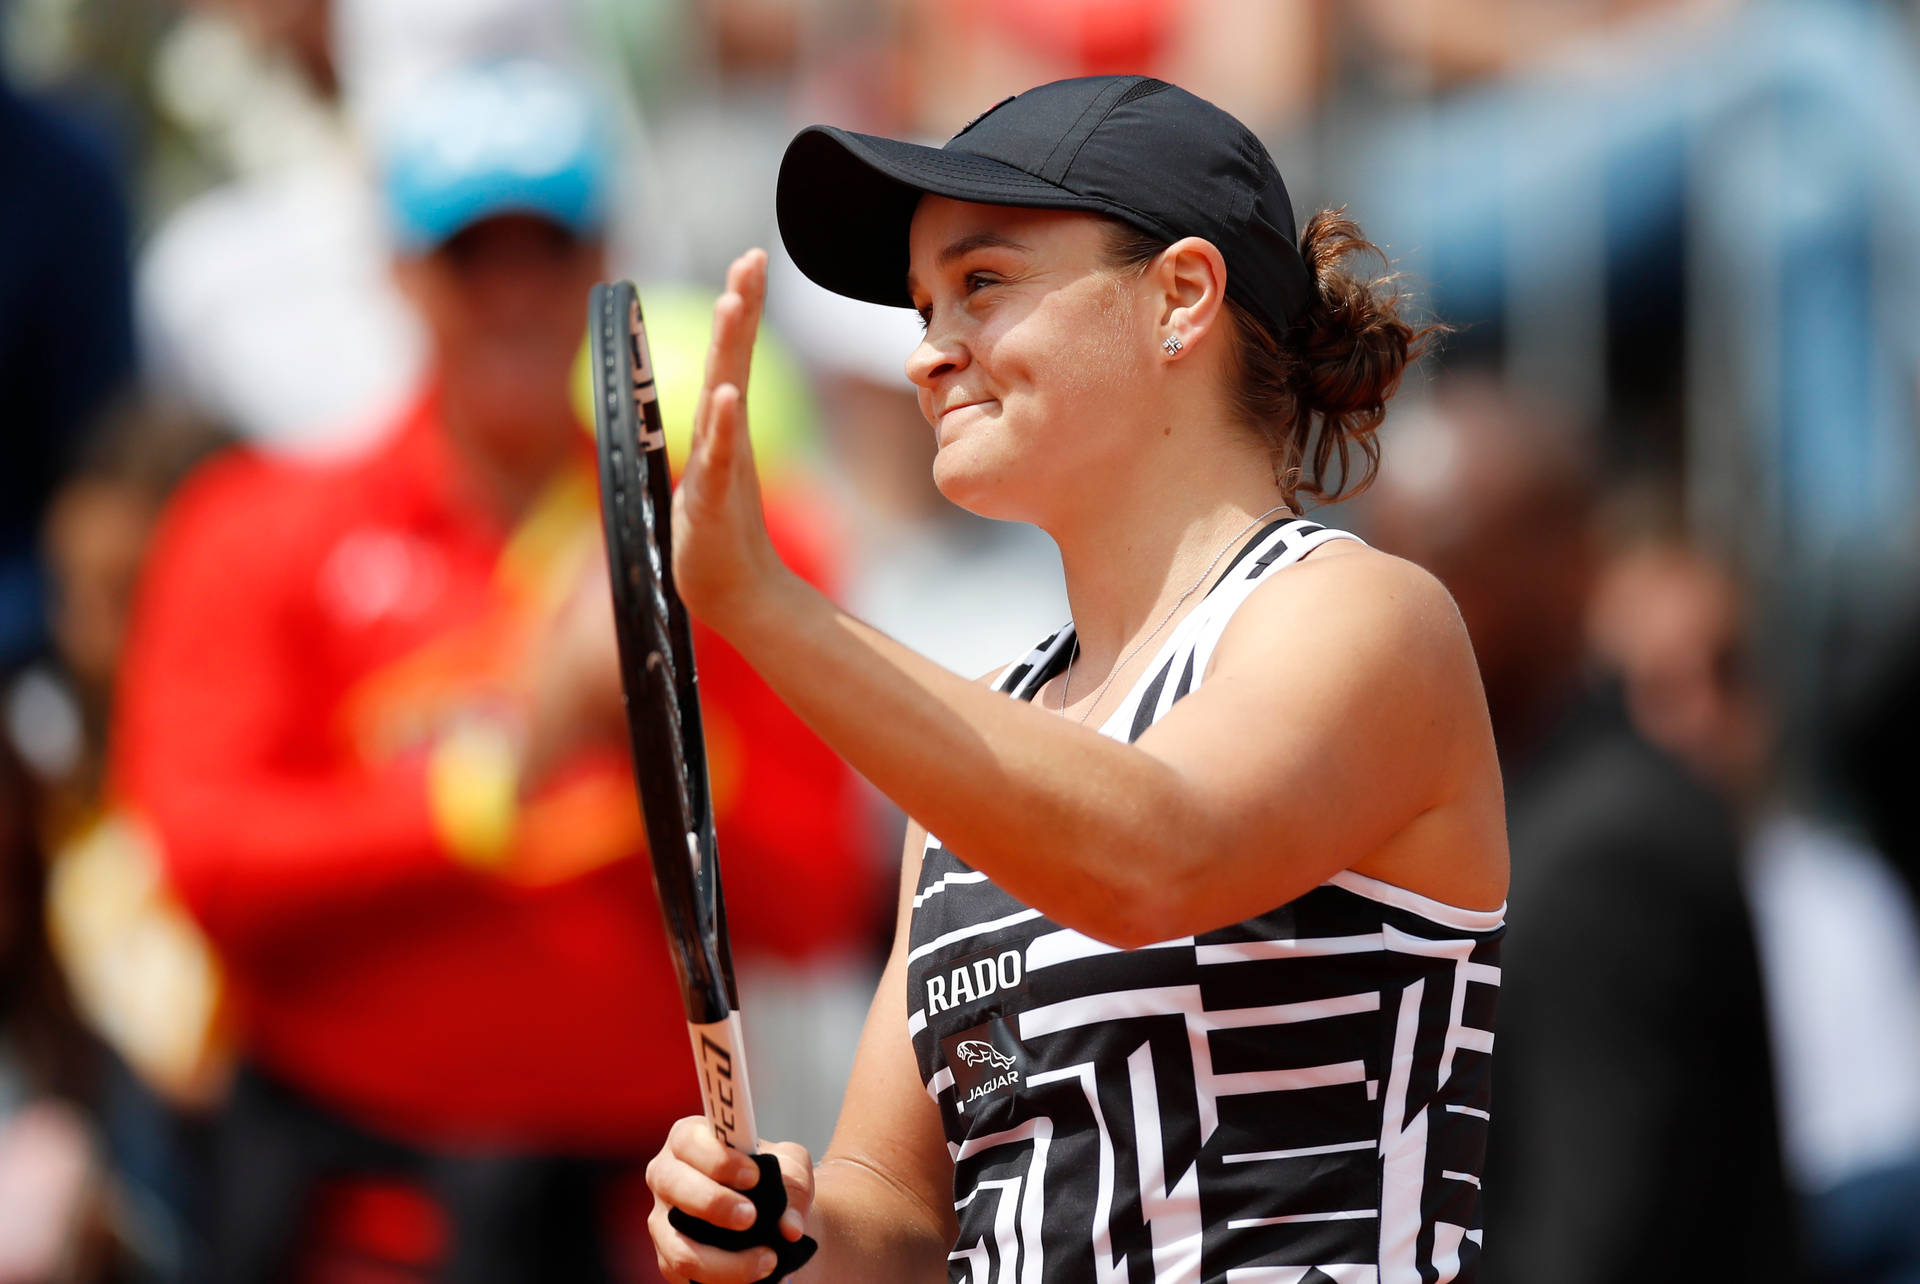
column 366, row 726
column 497, row 179
column 1200, row 918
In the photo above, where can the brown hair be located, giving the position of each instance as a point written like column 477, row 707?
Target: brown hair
column 1319, row 390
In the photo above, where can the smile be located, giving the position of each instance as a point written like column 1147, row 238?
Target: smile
column 940, row 424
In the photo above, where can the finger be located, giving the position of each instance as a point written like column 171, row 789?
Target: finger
column 728, row 313
column 693, row 1141
column 736, row 455
column 705, row 483
column 684, row 1261
column 681, row 1187
column 737, row 320
column 748, row 279
column 725, row 432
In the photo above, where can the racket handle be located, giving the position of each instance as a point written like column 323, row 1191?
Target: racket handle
column 719, row 1056
column 769, row 1196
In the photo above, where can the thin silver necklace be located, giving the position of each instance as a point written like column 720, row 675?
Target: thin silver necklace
column 1066, row 683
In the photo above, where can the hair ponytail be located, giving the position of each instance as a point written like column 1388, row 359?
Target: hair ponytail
column 1320, row 390
column 1354, row 345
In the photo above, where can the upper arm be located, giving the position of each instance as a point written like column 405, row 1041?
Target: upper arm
column 888, row 1123
column 1340, row 725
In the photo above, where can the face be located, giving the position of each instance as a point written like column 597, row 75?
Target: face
column 504, row 303
column 96, row 535
column 1033, row 369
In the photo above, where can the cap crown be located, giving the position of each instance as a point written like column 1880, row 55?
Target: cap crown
column 490, row 138
column 1129, row 147
column 1164, row 159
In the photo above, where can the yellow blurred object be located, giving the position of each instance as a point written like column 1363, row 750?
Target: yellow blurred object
column 780, row 407
column 473, row 788
column 142, row 974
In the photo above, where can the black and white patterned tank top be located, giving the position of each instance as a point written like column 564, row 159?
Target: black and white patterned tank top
column 1300, row 1098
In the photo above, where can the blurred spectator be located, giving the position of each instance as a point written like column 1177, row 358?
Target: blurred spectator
column 140, row 974
column 1634, row 1135
column 97, row 529
column 1839, row 941
column 66, row 333
column 371, row 713
column 1695, row 219
column 241, row 289
column 243, row 285
column 1875, row 710
column 53, row 1209
column 1264, row 62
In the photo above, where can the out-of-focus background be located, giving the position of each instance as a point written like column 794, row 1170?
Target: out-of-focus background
column 324, row 954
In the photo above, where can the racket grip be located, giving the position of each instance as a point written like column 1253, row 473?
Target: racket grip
column 769, row 1196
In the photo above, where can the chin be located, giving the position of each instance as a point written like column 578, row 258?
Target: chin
column 978, row 487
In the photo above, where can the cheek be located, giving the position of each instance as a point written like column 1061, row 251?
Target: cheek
column 1072, row 363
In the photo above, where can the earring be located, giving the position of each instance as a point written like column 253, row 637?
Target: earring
column 1172, row 344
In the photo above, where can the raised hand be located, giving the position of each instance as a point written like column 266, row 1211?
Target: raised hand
column 723, row 560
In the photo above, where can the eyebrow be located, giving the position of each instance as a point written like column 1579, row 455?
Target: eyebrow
column 968, row 244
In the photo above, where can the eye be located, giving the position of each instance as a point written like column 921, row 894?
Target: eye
column 980, row 280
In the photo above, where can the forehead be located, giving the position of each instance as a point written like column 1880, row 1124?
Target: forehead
column 940, row 224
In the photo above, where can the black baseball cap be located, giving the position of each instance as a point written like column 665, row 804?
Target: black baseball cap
column 1138, row 149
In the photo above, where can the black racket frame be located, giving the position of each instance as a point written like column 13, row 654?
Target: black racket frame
column 657, row 669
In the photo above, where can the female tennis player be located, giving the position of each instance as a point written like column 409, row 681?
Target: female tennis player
column 1199, row 921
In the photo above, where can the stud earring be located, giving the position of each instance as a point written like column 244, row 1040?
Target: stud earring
column 1172, row 344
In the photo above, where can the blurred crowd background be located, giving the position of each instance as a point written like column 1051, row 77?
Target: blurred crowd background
column 324, row 953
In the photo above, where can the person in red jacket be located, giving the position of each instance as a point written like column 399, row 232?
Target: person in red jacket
column 369, row 718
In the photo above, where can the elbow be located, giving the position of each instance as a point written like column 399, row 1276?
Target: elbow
column 1144, row 897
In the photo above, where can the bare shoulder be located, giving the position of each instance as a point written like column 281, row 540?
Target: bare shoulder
column 1352, row 599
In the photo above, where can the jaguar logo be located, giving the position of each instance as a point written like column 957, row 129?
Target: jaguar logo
column 977, row 1053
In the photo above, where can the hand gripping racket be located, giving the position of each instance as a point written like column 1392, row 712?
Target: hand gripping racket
column 669, row 749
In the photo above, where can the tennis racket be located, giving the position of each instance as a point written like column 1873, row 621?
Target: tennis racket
column 669, row 749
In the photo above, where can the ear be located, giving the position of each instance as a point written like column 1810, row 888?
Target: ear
column 1191, row 277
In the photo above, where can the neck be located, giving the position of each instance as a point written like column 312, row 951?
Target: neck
column 1127, row 567
column 506, row 470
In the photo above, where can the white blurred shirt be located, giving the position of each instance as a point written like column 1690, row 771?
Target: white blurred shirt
column 1840, row 954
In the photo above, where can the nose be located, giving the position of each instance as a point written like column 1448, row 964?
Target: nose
column 939, row 354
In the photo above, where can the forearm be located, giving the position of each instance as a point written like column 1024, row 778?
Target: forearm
column 872, row 1230
column 261, row 860
column 998, row 780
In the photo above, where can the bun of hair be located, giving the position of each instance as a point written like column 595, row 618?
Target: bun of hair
column 1319, row 391
column 1322, row 389
column 1354, row 348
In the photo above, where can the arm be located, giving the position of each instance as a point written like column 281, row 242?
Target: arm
column 879, row 1202
column 1362, row 740
column 219, row 743
column 883, row 1194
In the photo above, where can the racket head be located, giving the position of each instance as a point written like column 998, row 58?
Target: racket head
column 656, row 652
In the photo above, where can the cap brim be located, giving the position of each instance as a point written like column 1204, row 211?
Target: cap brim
column 845, row 204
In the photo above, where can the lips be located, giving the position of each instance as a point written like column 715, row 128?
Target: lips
column 941, row 430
